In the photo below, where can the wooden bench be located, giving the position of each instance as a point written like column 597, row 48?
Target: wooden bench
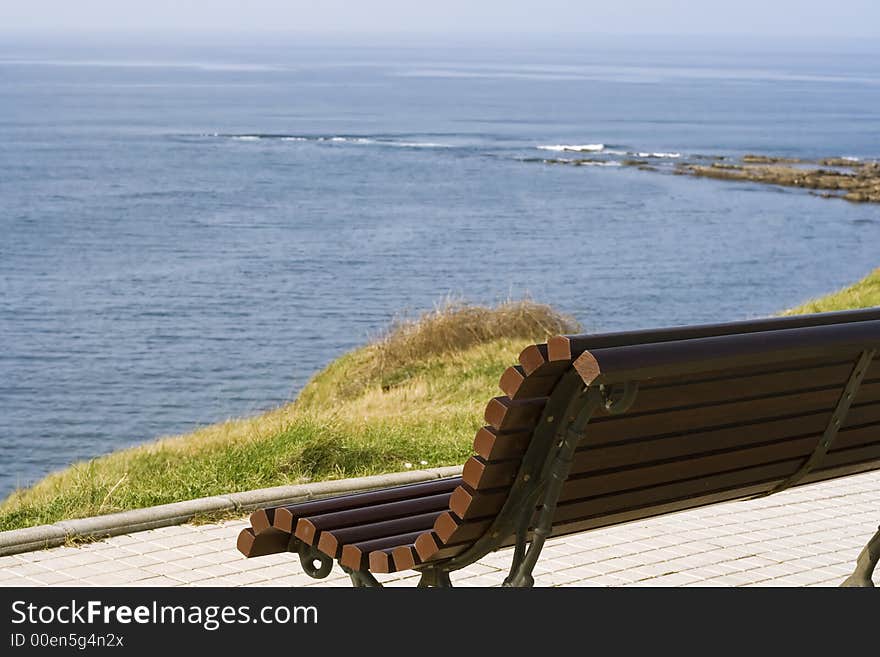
column 597, row 430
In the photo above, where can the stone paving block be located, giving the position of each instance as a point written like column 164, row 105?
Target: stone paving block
column 158, row 580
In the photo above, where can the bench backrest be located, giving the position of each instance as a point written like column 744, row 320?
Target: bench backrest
column 677, row 418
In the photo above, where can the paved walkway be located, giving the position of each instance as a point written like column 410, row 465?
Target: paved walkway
column 803, row 537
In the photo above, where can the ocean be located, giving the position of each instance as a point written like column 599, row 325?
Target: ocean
column 190, row 231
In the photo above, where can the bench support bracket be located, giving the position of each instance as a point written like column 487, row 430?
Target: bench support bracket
column 865, row 564
column 315, row 564
column 436, row 578
column 361, row 579
column 838, row 419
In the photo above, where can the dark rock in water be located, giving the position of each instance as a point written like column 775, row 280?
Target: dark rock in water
column 769, row 159
column 861, row 183
column 634, row 163
column 839, row 162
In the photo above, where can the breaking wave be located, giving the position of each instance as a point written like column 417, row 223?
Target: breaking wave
column 578, row 148
column 335, row 139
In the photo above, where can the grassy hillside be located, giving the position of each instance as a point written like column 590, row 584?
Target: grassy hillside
column 412, row 399
column 864, row 294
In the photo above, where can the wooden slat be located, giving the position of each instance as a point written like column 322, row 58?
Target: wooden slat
column 307, row 529
column 427, row 545
column 479, row 474
column 730, row 389
column 494, row 445
column 270, row 541
column 356, row 555
column 437, row 551
column 639, row 362
column 286, row 517
column 535, row 361
column 569, row 347
column 686, row 495
column 468, row 504
column 516, row 384
column 405, row 557
column 261, row 519
column 506, row 414
column 331, row 542
column 380, row 561
column 614, row 429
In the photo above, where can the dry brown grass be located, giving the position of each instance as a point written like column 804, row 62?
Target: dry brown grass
column 455, row 326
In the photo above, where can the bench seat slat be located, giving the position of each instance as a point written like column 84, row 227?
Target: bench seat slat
column 332, row 542
column 308, row 528
column 356, row 555
column 269, row 541
column 286, row 517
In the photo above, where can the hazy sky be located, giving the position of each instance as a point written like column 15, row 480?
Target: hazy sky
column 787, row 18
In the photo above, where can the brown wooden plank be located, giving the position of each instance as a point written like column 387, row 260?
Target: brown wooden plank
column 639, row 362
column 613, row 429
column 494, row 445
column 439, row 551
column 427, row 545
column 307, row 529
column 516, row 384
column 356, row 555
column 704, row 466
column 506, row 414
column 270, row 541
column 569, row 347
column 286, row 517
column 451, row 530
column 535, row 362
column 593, row 458
column 580, row 499
column 844, row 463
column 380, row 561
column 405, row 557
column 479, row 474
column 468, row 504
column 730, row 389
column 331, row 542
column 261, row 519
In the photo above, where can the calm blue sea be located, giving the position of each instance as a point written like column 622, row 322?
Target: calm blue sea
column 189, row 232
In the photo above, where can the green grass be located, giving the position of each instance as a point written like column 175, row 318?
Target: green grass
column 414, row 398
column 864, row 294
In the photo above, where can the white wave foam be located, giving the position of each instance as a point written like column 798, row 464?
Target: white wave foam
column 582, row 163
column 348, row 140
column 850, row 158
column 294, row 139
column 418, row 144
column 580, row 148
column 246, row 137
column 661, row 155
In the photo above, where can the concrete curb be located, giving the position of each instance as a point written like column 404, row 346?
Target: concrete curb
column 127, row 522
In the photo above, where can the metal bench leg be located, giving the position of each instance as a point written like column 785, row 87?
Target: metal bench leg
column 865, row 564
column 435, row 577
column 362, row 579
column 315, row 564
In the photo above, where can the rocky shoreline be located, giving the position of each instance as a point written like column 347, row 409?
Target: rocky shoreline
column 830, row 177
column 852, row 180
